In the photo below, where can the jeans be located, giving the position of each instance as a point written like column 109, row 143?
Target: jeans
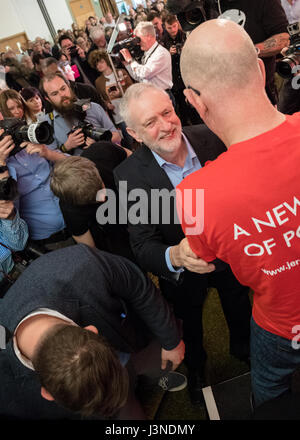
column 273, row 361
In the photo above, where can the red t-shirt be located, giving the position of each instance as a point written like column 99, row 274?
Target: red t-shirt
column 252, row 220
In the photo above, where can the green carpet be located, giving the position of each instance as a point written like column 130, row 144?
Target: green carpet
column 221, row 366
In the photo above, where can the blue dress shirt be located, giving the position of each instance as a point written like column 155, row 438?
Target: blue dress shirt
column 95, row 115
column 38, row 206
column 176, row 174
column 14, row 235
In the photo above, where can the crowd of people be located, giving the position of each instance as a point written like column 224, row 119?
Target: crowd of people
column 77, row 122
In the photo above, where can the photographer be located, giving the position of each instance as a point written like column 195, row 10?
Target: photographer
column 156, row 64
column 13, row 230
column 109, row 89
column 77, row 59
column 30, row 165
column 12, row 105
column 263, row 20
column 173, row 40
column 288, row 68
column 157, row 22
column 58, row 92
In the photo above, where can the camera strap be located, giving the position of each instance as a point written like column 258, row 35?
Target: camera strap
column 51, row 116
column 144, row 60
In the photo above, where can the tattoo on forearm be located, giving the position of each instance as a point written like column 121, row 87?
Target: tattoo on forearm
column 270, row 43
column 274, row 44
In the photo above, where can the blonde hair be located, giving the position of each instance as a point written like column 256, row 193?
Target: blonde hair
column 76, row 181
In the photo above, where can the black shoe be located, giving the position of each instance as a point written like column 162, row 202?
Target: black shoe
column 172, row 381
column 196, row 381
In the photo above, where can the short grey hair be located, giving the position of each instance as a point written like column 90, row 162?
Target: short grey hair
column 134, row 93
column 96, row 32
column 145, row 28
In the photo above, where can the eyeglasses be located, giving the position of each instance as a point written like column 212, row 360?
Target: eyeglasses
column 194, row 90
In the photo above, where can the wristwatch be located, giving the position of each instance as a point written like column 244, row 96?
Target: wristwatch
column 3, row 168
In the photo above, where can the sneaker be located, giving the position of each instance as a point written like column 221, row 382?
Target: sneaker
column 172, row 381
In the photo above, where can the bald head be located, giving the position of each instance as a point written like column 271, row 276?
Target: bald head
column 219, row 54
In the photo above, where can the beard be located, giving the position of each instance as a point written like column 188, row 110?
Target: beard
column 66, row 107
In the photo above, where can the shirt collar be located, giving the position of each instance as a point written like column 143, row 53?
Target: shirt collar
column 147, row 52
column 56, row 114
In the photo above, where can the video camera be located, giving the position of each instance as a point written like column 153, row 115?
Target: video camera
column 79, row 111
column 191, row 13
column 37, row 133
column 291, row 59
column 132, row 44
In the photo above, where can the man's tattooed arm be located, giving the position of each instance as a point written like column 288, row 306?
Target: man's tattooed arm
column 273, row 45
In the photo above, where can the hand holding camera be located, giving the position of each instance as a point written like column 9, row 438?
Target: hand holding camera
column 75, row 139
column 173, row 50
column 114, row 92
column 32, row 148
column 7, row 210
column 6, row 146
column 126, row 55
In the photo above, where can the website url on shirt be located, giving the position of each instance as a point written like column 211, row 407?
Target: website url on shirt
column 287, row 266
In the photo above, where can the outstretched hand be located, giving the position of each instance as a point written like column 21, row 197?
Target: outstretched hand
column 175, row 356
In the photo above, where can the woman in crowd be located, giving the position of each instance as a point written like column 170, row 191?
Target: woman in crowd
column 84, row 43
column 109, row 89
column 12, row 105
column 34, row 103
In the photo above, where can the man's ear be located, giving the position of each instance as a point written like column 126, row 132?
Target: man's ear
column 133, row 133
column 261, row 65
column 91, row 328
column 196, row 101
column 46, row 395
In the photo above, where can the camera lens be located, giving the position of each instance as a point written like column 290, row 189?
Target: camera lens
column 194, row 16
column 39, row 133
column 284, row 67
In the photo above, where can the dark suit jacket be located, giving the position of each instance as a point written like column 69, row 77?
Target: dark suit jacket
column 90, row 287
column 141, row 170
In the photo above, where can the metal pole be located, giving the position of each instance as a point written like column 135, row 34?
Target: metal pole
column 110, row 47
column 47, row 18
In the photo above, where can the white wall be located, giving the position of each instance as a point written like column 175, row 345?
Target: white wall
column 25, row 15
column 9, row 21
column 30, row 15
column 59, row 13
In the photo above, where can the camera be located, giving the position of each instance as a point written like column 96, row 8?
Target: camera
column 79, row 111
column 8, row 189
column 89, row 131
column 291, row 59
column 37, row 133
column 132, row 44
column 73, row 51
column 112, row 89
column 178, row 47
column 192, row 13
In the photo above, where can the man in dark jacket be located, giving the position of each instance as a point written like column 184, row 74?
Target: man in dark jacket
column 52, row 315
column 168, row 156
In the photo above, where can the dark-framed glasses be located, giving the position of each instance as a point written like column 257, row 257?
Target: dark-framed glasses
column 194, row 90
